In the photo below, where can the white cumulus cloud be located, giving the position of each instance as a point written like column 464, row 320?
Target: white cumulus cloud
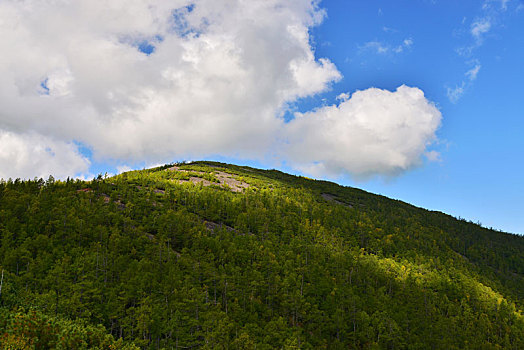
column 374, row 131
column 153, row 80
column 31, row 155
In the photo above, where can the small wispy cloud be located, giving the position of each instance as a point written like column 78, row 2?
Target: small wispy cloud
column 480, row 27
column 472, row 73
column 383, row 48
column 376, row 46
column 433, row 156
column 502, row 4
column 343, row 97
column 389, row 29
column 488, row 19
column 455, row 93
column 465, row 51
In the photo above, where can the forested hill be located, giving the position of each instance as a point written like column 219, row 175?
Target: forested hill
column 215, row 256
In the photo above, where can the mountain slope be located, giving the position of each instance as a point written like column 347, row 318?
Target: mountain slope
column 212, row 255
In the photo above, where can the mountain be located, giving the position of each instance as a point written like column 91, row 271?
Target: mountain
column 216, row 256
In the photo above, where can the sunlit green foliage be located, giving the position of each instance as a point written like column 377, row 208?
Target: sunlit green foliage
column 287, row 263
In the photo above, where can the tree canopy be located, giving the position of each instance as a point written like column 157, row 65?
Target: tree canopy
column 209, row 255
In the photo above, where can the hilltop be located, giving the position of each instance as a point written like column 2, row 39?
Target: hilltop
column 211, row 255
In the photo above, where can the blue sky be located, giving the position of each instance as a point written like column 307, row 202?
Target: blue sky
column 416, row 100
column 481, row 171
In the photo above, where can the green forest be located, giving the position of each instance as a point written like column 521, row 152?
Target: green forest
column 206, row 255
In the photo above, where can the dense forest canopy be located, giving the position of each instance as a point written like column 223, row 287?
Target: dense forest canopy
column 210, row 255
